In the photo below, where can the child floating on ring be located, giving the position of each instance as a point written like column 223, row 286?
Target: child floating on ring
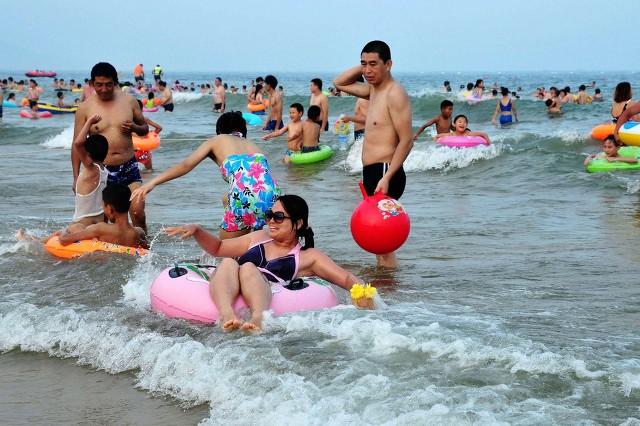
column 460, row 129
column 610, row 148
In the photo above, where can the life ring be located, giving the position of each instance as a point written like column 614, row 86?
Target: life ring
column 630, row 133
column 462, row 141
column 599, row 165
column 27, row 113
column 146, row 143
column 154, row 109
column 603, row 131
column 322, row 154
column 55, row 109
column 80, row 248
column 183, row 292
column 256, row 107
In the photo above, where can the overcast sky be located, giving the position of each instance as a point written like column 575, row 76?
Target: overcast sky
column 327, row 35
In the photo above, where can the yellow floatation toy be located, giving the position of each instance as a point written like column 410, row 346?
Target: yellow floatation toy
column 362, row 295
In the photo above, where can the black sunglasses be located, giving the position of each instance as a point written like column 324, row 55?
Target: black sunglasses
column 278, row 217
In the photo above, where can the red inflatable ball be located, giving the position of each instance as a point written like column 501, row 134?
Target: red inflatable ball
column 379, row 225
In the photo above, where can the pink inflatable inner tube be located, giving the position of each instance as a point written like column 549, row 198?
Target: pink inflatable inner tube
column 29, row 114
column 183, row 292
column 154, row 109
column 462, row 141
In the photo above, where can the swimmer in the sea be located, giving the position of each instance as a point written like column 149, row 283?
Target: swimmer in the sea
column 460, row 124
column 294, row 127
column 311, row 130
column 553, row 107
column 610, row 148
column 442, row 121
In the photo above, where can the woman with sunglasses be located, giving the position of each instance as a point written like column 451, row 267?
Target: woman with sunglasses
column 271, row 255
column 252, row 188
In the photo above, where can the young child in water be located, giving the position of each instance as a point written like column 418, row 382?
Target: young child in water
column 460, row 129
column 91, row 181
column 553, row 107
column 442, row 121
column 118, row 230
column 294, row 127
column 311, row 130
column 610, row 148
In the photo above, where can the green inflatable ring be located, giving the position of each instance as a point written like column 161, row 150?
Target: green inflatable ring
column 598, row 165
column 311, row 157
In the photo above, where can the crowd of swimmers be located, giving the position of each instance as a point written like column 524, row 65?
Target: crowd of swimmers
column 264, row 236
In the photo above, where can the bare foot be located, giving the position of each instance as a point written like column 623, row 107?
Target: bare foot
column 387, row 261
column 231, row 324
column 253, row 325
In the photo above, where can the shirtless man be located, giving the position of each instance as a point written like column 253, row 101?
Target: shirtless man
column 359, row 116
column 121, row 115
column 311, row 130
column 166, row 97
column 33, row 95
column 218, row 96
column 275, row 104
column 583, row 96
column 320, row 99
column 87, row 90
column 388, row 133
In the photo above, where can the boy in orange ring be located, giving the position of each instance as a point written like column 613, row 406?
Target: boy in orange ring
column 442, row 121
column 294, row 141
column 143, row 156
column 118, row 230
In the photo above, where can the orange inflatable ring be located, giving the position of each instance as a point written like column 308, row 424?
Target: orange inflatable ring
column 256, row 107
column 157, row 101
column 25, row 102
column 602, row 131
column 80, row 248
column 146, row 143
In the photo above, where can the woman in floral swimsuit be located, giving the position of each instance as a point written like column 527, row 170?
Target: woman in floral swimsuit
column 252, row 188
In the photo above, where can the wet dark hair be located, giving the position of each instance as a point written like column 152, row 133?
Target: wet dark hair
column 104, row 69
column 150, row 95
column 494, row 92
column 598, row 91
column 611, row 139
column 379, row 47
column 478, row 81
column 461, row 116
column 446, row 83
column 97, row 147
column 553, row 89
column 469, row 86
column 446, row 103
column 622, row 92
column 11, row 96
column 231, row 122
column 317, row 82
column 271, row 81
column 162, row 83
column 298, row 107
column 582, row 87
column 219, row 79
column 548, row 102
column 59, row 95
column 314, row 112
column 504, row 91
column 567, row 89
column 259, row 79
column 297, row 209
column 117, row 196
column 33, row 81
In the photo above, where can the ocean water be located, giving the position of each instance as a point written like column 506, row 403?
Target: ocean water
column 516, row 300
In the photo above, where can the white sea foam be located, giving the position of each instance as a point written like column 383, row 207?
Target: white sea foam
column 62, row 140
column 431, row 157
column 184, row 97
